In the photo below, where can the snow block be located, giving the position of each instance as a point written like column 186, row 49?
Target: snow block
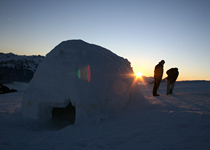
column 93, row 79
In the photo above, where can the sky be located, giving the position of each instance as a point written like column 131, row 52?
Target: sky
column 142, row 31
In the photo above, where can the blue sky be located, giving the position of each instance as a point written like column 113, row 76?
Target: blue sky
column 143, row 31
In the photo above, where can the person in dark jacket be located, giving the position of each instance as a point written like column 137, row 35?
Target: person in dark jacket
column 158, row 74
column 171, row 79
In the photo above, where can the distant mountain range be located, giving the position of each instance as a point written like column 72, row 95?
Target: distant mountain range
column 18, row 68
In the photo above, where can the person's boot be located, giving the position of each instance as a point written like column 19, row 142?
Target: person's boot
column 156, row 95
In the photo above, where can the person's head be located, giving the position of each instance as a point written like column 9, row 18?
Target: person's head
column 162, row 62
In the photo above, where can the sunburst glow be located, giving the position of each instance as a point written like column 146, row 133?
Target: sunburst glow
column 138, row 74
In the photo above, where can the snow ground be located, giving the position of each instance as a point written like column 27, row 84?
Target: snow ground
column 179, row 121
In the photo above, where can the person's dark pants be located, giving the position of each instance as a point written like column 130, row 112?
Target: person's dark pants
column 156, row 86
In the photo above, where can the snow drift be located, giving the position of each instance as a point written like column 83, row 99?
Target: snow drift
column 92, row 79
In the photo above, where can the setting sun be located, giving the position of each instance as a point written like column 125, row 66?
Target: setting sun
column 138, row 74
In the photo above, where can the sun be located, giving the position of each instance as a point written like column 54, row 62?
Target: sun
column 138, row 74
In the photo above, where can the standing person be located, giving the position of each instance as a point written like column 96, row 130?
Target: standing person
column 171, row 79
column 158, row 74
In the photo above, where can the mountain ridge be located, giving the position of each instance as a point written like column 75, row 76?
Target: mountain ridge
column 18, row 67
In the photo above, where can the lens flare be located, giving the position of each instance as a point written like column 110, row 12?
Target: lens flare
column 138, row 74
column 84, row 73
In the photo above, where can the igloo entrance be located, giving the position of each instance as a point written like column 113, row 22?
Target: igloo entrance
column 63, row 116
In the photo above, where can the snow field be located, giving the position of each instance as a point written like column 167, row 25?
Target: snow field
column 178, row 121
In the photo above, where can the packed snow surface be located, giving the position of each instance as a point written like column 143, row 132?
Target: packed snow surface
column 180, row 121
column 96, row 81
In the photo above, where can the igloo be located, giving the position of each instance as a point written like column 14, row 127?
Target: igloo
column 83, row 82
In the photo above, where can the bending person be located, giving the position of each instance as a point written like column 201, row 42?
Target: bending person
column 171, row 79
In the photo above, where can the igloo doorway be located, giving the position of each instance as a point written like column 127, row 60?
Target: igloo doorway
column 63, row 116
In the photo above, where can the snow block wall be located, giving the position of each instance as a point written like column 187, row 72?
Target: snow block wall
column 94, row 80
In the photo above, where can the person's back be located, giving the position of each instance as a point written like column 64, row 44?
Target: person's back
column 172, row 74
column 158, row 72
